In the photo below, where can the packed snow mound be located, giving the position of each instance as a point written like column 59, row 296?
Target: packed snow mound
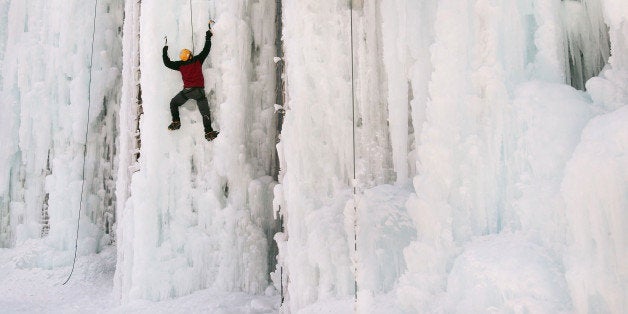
column 30, row 283
column 385, row 229
column 40, row 289
column 506, row 273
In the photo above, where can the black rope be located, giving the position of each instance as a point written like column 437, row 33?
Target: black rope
column 89, row 105
column 279, row 99
column 192, row 25
column 355, row 206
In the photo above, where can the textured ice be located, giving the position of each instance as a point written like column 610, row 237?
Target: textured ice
column 487, row 138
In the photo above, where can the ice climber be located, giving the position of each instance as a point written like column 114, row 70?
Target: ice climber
column 191, row 68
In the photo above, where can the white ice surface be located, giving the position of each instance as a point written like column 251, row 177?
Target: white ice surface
column 484, row 181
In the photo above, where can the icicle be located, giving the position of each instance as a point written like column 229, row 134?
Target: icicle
column 587, row 43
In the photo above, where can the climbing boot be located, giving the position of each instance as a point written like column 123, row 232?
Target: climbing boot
column 175, row 125
column 211, row 135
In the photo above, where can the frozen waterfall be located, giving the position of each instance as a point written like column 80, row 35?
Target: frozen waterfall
column 489, row 143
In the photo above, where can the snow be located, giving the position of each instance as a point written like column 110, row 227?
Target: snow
column 28, row 288
column 488, row 139
column 490, row 276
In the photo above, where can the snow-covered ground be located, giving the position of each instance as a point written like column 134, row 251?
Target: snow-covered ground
column 27, row 288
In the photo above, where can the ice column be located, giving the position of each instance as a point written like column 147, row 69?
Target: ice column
column 128, row 128
column 595, row 189
column 478, row 56
column 195, row 212
column 316, row 150
column 395, row 58
column 373, row 119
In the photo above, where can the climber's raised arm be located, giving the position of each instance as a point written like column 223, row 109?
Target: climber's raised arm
column 208, row 44
column 167, row 62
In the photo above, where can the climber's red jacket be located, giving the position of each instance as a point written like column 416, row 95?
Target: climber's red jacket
column 191, row 70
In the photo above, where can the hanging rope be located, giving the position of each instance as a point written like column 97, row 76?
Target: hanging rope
column 192, row 25
column 280, row 95
column 89, row 105
column 354, row 183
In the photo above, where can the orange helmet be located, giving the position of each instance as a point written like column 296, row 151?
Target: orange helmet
column 185, row 55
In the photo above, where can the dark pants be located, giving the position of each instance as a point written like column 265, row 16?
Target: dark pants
column 198, row 94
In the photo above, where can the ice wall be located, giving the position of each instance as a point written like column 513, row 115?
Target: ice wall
column 316, row 150
column 595, row 185
column 481, row 120
column 326, row 113
column 196, row 214
column 46, row 99
column 478, row 166
column 493, row 154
